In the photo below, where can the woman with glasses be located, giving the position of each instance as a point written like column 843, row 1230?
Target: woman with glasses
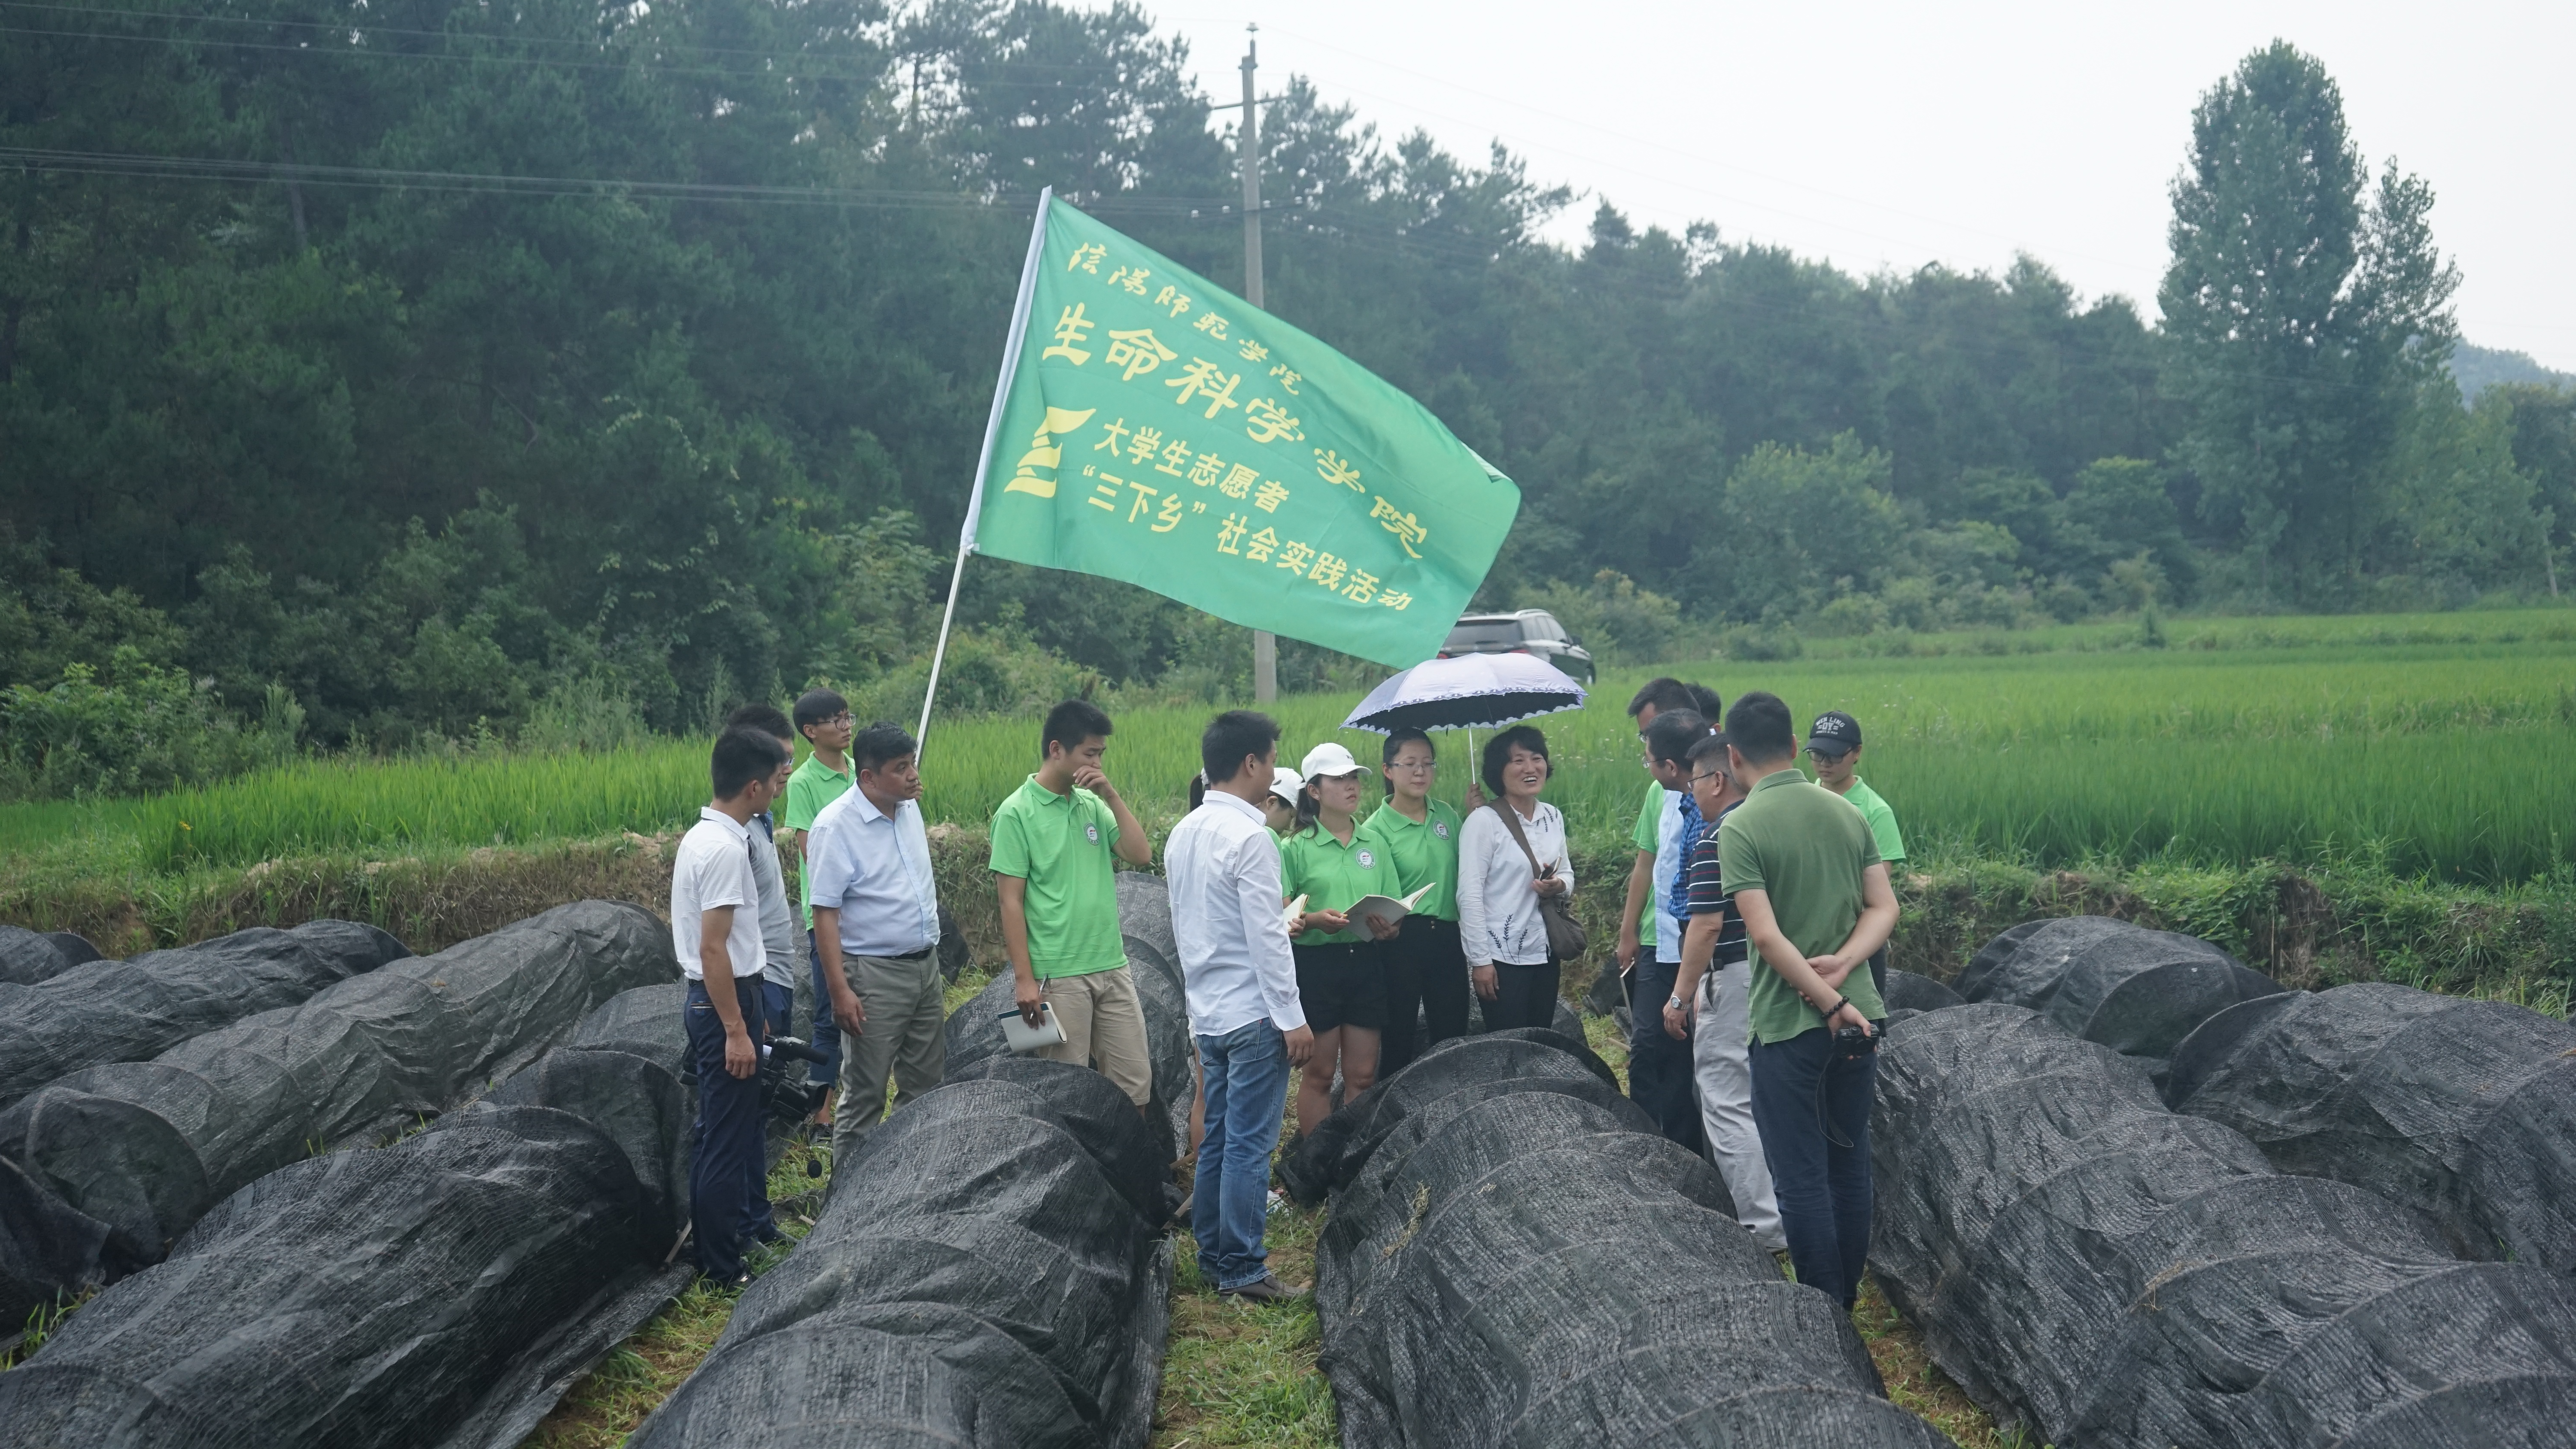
column 1426, row 976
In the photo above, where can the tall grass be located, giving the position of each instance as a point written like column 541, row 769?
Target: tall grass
column 2454, row 760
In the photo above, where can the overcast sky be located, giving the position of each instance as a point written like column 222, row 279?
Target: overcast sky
column 1891, row 135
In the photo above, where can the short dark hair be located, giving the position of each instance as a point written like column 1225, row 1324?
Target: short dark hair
column 1232, row 737
column 742, row 755
column 1760, row 728
column 817, row 705
column 769, row 719
column 1498, row 753
column 1707, row 701
column 1072, row 722
column 1709, row 747
column 1674, row 732
column 879, row 744
column 1663, row 692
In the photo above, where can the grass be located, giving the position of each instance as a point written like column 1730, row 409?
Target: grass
column 2455, row 760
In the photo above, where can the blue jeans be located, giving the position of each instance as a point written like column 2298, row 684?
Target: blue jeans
column 827, row 1032
column 1800, row 1088
column 1661, row 1072
column 1247, row 1089
column 728, row 1146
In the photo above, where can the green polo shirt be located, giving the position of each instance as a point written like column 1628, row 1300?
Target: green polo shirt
column 1649, row 837
column 1882, row 821
column 1424, row 851
column 1333, row 876
column 1804, row 847
column 1060, row 845
column 813, row 786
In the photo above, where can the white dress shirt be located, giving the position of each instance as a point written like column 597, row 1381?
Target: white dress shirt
column 1223, row 870
column 874, row 869
column 713, row 868
column 1498, row 916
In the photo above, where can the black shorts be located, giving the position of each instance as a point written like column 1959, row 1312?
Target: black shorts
column 1342, row 985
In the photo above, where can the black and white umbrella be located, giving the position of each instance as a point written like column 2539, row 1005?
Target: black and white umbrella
column 1470, row 692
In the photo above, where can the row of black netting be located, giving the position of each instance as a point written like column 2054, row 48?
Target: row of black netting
column 2133, row 990
column 1515, row 1256
column 27, row 957
column 127, row 1011
column 103, row 1170
column 990, row 1270
column 2102, row 1271
column 2464, row 1110
column 444, row 1290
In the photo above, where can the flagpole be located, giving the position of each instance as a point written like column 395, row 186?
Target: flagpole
column 983, row 463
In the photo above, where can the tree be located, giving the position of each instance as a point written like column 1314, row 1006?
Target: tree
column 2303, row 319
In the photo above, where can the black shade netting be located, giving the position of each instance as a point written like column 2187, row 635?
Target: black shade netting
column 2134, row 990
column 136, row 1009
column 980, row 1276
column 1323, row 1161
column 2463, row 1109
column 444, row 1290
column 1907, row 991
column 1538, row 1267
column 1153, row 964
column 2105, row 1272
column 27, row 957
column 146, row 1147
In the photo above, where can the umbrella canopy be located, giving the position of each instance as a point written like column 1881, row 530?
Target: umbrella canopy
column 1472, row 691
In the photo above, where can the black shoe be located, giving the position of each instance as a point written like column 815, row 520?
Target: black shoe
column 1265, row 1289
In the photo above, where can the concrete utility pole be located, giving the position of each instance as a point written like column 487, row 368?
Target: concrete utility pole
column 1265, row 645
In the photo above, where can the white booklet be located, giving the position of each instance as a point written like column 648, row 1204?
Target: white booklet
column 1389, row 909
column 1289, row 913
column 1023, row 1038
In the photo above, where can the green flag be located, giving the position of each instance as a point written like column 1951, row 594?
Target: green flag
column 1152, row 427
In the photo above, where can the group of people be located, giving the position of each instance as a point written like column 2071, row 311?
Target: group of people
column 1314, row 933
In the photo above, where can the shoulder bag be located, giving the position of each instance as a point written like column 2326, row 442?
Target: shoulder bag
column 1566, row 938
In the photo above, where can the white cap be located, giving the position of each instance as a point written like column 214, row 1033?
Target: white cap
column 1330, row 761
column 1286, row 783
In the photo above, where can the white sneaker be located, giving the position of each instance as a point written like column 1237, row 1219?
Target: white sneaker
column 1278, row 1200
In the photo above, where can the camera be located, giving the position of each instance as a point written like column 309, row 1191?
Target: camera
column 784, row 1092
column 1851, row 1043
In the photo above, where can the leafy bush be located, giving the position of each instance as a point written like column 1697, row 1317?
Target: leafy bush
column 1617, row 621
column 152, row 730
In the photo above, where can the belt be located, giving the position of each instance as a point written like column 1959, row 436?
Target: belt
column 921, row 955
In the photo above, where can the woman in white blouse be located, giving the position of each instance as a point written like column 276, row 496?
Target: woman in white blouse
column 1498, row 893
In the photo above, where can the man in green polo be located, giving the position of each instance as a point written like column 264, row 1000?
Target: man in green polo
column 1804, row 874
column 823, row 718
column 1052, row 841
column 1834, row 744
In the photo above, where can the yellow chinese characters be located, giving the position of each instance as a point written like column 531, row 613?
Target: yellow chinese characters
column 1137, row 352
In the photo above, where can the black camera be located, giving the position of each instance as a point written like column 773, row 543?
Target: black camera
column 784, row 1092
column 1851, row 1043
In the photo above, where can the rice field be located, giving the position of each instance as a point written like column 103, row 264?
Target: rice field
column 2455, row 760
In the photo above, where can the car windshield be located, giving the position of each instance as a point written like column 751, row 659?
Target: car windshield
column 1485, row 633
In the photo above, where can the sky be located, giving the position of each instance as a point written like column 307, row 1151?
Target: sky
column 1887, row 136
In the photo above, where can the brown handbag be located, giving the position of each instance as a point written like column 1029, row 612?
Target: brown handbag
column 1566, row 938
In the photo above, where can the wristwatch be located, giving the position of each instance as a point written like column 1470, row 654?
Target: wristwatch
column 1673, row 1003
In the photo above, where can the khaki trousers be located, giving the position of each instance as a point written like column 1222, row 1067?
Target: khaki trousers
column 906, row 1036
column 1104, row 1025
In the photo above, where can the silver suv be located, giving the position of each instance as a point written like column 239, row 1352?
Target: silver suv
column 1531, row 631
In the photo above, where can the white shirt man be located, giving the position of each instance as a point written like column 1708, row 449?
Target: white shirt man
column 713, row 868
column 1223, row 866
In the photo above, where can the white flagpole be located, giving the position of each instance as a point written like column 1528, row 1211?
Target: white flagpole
column 992, row 429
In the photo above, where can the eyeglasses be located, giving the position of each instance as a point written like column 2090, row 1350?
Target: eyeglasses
column 1711, row 775
column 1827, row 757
column 1414, row 765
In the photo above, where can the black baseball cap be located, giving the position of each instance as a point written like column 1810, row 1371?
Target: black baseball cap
column 1835, row 733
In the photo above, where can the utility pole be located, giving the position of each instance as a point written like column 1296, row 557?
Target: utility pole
column 1265, row 645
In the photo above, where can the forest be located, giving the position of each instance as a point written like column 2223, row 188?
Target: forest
column 416, row 371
